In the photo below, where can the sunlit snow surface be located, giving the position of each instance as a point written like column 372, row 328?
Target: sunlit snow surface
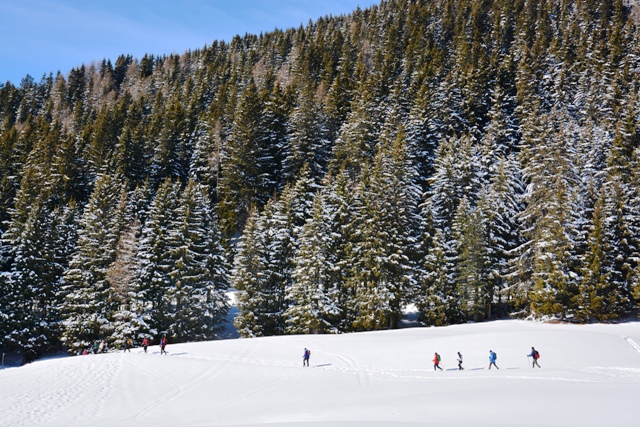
column 590, row 376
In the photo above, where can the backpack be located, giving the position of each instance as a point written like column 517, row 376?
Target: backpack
column 495, row 356
column 536, row 355
column 438, row 358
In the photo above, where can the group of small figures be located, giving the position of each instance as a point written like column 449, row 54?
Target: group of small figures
column 492, row 359
column 101, row 346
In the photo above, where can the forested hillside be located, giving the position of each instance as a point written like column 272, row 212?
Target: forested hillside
column 476, row 158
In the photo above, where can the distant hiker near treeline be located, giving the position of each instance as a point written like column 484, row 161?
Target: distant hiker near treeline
column 163, row 345
column 145, row 344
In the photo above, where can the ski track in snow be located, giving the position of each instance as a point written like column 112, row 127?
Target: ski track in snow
column 365, row 375
column 108, row 390
column 35, row 403
column 632, row 343
column 175, row 391
column 362, row 375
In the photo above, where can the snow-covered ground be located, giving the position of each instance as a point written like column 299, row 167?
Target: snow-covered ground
column 590, row 376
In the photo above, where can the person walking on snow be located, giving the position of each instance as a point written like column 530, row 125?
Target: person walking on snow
column 436, row 362
column 145, row 344
column 460, row 368
column 535, row 355
column 492, row 359
column 163, row 345
column 127, row 345
column 305, row 357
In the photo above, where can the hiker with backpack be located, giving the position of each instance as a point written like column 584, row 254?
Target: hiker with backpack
column 535, row 356
column 145, row 344
column 460, row 368
column 305, row 357
column 163, row 345
column 492, row 359
column 436, row 362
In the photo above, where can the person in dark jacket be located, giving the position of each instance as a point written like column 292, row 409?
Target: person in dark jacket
column 305, row 357
column 535, row 356
column 460, row 368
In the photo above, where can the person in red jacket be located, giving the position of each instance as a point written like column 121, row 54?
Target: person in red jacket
column 145, row 344
column 436, row 362
column 163, row 344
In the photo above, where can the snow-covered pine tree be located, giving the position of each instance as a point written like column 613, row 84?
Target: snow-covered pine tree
column 474, row 287
column 151, row 294
column 313, row 298
column 456, row 176
column 499, row 137
column 242, row 180
column 595, row 286
column 620, row 254
column 205, row 160
column 548, row 159
column 308, row 137
column 40, row 252
column 386, row 244
column 439, row 303
column 127, row 320
column 358, row 136
column 248, row 279
column 197, row 293
column 341, row 201
column 173, row 145
column 500, row 204
column 89, row 306
column 273, row 148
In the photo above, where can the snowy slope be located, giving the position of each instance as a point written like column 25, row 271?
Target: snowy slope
column 590, row 376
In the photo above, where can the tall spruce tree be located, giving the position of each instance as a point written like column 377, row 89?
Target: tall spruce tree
column 196, row 296
column 152, row 290
column 89, row 304
column 386, row 244
column 313, row 298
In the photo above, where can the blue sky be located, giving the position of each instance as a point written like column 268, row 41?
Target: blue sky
column 42, row 36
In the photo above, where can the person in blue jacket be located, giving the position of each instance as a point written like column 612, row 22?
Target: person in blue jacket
column 492, row 359
column 535, row 356
column 305, row 357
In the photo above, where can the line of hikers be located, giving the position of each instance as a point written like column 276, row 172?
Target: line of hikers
column 535, row 355
column 101, row 346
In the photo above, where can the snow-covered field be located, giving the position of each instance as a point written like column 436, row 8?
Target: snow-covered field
column 590, row 376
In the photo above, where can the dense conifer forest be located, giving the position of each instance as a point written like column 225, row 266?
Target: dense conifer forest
column 474, row 158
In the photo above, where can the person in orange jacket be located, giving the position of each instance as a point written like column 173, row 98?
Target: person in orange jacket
column 436, row 362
